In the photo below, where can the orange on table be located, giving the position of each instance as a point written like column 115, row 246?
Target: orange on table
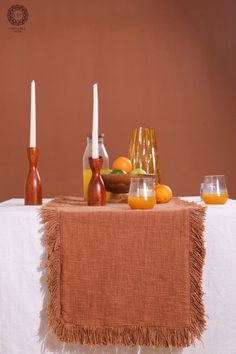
column 122, row 163
column 163, row 193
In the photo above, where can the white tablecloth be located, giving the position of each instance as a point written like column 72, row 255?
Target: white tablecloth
column 23, row 324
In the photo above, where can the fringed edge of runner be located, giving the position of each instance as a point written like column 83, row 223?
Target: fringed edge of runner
column 196, row 263
column 124, row 335
column 127, row 335
column 50, row 218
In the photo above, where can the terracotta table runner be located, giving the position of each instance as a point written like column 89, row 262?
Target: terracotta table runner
column 122, row 276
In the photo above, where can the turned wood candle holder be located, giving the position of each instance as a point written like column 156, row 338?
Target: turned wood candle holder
column 96, row 188
column 33, row 185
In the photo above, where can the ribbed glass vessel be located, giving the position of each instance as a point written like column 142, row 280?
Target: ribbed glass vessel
column 143, row 151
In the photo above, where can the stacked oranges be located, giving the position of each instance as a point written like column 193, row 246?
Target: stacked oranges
column 122, row 164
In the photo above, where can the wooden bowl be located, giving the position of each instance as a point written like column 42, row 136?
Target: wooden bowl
column 119, row 183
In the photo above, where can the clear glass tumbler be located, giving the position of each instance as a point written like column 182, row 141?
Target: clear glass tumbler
column 214, row 190
column 142, row 194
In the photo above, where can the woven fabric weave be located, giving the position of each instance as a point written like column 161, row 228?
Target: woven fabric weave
column 121, row 276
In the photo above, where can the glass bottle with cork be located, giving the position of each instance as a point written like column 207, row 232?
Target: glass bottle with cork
column 87, row 173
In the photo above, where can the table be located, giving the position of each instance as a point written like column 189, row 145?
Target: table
column 23, row 295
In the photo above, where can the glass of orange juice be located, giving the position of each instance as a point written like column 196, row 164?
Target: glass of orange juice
column 214, row 190
column 142, row 193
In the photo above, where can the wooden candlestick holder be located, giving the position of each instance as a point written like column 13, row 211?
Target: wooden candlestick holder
column 33, row 186
column 96, row 188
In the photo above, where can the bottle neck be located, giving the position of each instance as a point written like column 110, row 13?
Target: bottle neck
column 100, row 140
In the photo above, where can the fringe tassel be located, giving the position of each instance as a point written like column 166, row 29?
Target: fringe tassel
column 50, row 217
column 196, row 262
column 127, row 335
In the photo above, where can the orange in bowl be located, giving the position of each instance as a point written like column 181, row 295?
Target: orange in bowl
column 122, row 163
column 163, row 193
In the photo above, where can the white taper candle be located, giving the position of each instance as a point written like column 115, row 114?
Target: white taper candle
column 95, row 123
column 33, row 116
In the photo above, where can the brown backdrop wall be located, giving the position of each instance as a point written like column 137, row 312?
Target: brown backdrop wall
column 167, row 64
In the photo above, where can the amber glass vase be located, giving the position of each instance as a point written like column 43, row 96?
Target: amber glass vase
column 143, row 151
